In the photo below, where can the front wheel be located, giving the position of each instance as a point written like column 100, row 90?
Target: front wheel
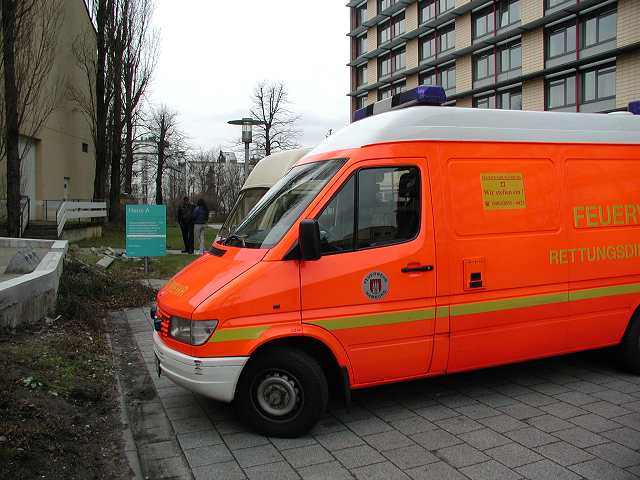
column 629, row 348
column 282, row 393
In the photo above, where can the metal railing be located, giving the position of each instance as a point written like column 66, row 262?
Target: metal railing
column 69, row 210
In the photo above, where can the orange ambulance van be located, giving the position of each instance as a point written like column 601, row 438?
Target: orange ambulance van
column 418, row 242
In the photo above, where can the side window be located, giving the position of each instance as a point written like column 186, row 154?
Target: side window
column 336, row 221
column 388, row 210
column 388, row 205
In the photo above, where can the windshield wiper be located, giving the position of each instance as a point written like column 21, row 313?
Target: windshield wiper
column 233, row 236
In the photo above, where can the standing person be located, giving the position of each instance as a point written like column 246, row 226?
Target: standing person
column 185, row 220
column 200, row 219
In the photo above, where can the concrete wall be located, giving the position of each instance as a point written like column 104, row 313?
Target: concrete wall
column 628, row 22
column 464, row 74
column 61, row 140
column 533, row 94
column 531, row 10
column 463, row 31
column 533, row 51
column 627, row 79
column 465, row 102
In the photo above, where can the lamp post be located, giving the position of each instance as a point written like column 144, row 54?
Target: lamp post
column 247, row 136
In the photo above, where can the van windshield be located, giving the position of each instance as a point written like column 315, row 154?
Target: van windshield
column 246, row 201
column 274, row 214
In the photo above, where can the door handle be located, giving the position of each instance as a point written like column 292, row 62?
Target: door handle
column 420, row 268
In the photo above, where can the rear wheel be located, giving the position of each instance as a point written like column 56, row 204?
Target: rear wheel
column 629, row 348
column 282, row 393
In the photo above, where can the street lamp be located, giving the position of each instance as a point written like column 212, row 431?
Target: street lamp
column 247, row 136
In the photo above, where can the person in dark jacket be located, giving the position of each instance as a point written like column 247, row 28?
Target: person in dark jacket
column 200, row 219
column 185, row 220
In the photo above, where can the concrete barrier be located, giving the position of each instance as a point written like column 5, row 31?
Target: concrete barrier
column 28, row 298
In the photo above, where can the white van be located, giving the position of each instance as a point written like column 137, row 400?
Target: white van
column 263, row 176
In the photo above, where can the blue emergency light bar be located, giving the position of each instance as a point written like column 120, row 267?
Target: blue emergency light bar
column 634, row 107
column 423, row 95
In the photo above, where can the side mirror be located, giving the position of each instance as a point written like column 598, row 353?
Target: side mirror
column 309, row 240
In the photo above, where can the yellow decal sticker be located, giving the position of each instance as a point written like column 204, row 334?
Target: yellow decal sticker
column 590, row 216
column 599, row 253
column 178, row 289
column 502, row 191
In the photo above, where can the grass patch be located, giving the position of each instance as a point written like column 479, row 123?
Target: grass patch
column 159, row 267
column 115, row 237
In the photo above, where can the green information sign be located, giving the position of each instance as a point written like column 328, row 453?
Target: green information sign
column 146, row 230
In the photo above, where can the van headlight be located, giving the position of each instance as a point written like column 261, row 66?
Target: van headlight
column 193, row 332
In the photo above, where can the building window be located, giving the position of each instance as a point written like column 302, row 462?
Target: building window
column 548, row 4
column 561, row 92
column 427, row 46
column 486, row 101
column 599, row 29
column 360, row 15
column 361, row 45
column 391, row 62
column 390, row 90
column 598, row 84
column 361, row 75
column 398, row 25
column 483, row 22
column 510, row 57
column 484, row 65
column 505, row 100
column 508, row 13
column 510, row 100
column 447, row 39
column 447, row 77
column 384, row 32
column 384, row 4
column 391, row 28
column 426, row 10
column 428, row 78
column 561, row 41
column 446, row 5
column 361, row 102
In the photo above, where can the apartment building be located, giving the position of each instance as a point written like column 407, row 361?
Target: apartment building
column 557, row 55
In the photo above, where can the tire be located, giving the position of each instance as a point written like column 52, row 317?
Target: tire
column 629, row 348
column 282, row 393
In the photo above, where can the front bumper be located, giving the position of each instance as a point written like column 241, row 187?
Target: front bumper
column 212, row 377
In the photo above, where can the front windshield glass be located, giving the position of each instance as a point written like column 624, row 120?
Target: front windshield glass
column 246, row 201
column 274, row 214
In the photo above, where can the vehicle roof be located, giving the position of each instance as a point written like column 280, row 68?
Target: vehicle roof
column 473, row 124
column 272, row 167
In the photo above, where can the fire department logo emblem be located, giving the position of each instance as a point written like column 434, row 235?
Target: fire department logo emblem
column 375, row 285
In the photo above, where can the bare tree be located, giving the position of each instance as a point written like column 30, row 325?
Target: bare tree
column 31, row 90
column 163, row 126
column 140, row 57
column 271, row 106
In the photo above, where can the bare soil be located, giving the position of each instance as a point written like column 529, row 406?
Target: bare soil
column 59, row 410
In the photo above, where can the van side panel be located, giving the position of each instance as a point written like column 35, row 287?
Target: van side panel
column 603, row 249
column 502, row 215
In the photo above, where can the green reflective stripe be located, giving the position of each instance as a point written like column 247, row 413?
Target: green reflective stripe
column 507, row 304
column 604, row 291
column 243, row 333
column 374, row 320
column 442, row 312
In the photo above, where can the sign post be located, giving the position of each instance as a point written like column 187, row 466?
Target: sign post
column 146, row 232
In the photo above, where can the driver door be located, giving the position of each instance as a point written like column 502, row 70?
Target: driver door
column 374, row 286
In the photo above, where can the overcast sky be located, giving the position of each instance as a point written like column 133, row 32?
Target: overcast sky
column 213, row 52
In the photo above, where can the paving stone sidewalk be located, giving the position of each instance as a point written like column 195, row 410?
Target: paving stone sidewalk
column 564, row 418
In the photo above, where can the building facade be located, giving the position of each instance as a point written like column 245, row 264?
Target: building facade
column 557, row 55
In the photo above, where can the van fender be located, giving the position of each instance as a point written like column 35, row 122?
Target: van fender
column 325, row 337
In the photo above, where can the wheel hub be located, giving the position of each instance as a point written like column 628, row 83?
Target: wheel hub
column 277, row 394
